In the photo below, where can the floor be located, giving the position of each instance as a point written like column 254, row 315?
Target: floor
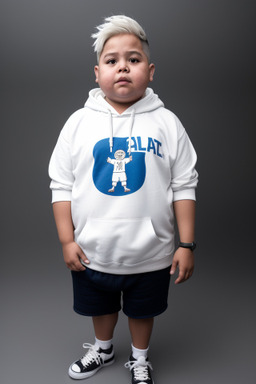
column 207, row 335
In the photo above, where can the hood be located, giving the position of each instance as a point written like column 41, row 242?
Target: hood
column 148, row 103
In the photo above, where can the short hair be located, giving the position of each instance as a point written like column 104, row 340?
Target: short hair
column 116, row 25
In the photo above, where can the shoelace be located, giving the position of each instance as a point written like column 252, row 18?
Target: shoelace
column 91, row 356
column 140, row 368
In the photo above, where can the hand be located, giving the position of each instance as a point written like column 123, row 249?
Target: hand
column 184, row 259
column 73, row 255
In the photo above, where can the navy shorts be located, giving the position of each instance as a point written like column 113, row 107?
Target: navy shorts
column 142, row 295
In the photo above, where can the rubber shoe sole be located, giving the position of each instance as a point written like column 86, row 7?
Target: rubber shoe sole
column 85, row 375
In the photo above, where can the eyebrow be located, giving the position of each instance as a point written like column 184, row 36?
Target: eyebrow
column 116, row 53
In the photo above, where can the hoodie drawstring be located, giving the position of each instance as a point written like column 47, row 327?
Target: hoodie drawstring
column 130, row 131
column 111, row 130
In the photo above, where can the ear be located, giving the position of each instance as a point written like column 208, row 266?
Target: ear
column 151, row 71
column 96, row 71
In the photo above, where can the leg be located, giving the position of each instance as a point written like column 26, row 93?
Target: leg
column 124, row 183
column 141, row 330
column 104, row 326
column 138, row 363
column 114, row 184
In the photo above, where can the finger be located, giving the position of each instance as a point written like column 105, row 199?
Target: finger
column 173, row 268
column 83, row 257
column 85, row 260
column 181, row 277
column 78, row 267
column 190, row 274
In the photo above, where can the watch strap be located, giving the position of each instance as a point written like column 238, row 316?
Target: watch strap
column 191, row 246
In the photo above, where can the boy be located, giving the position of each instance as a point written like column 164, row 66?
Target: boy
column 119, row 242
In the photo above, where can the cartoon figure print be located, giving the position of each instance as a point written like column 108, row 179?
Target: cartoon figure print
column 119, row 169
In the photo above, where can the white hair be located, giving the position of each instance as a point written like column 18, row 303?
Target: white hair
column 115, row 25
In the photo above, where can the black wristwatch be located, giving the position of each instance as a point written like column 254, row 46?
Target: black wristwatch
column 191, row 246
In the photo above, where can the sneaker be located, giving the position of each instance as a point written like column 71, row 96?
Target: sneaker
column 140, row 370
column 91, row 362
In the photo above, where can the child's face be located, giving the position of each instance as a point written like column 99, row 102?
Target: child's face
column 119, row 155
column 123, row 72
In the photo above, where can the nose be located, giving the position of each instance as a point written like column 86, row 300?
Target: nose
column 123, row 68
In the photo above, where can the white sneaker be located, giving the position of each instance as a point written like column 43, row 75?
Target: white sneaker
column 140, row 370
column 91, row 362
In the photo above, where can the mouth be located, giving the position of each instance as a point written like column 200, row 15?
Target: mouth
column 123, row 80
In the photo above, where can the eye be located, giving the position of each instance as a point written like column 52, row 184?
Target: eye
column 134, row 60
column 111, row 61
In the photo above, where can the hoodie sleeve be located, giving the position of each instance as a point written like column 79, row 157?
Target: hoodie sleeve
column 184, row 174
column 60, row 169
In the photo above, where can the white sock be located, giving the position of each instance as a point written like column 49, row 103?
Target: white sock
column 103, row 344
column 139, row 352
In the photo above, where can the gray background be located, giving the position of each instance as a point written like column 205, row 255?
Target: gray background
column 204, row 53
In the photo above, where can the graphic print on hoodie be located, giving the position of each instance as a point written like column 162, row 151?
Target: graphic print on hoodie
column 118, row 173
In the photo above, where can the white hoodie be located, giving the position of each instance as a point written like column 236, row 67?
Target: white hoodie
column 122, row 174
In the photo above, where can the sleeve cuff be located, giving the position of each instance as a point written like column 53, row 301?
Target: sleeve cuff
column 185, row 194
column 61, row 195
